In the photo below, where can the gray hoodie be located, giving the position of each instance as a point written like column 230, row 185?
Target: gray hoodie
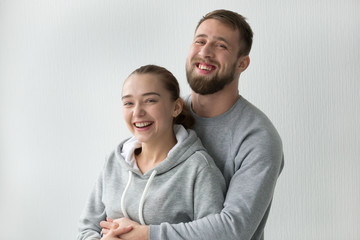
column 187, row 185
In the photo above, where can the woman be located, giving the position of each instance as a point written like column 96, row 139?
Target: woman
column 162, row 173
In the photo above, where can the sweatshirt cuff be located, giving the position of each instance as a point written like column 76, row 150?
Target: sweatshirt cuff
column 154, row 232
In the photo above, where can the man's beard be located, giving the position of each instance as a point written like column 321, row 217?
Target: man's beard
column 209, row 84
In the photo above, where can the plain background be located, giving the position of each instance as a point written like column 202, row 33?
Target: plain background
column 62, row 65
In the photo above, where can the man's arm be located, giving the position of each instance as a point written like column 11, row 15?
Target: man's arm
column 247, row 201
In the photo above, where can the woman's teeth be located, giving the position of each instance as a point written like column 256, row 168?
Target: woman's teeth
column 142, row 124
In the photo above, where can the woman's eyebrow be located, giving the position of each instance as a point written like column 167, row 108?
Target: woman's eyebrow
column 144, row 94
column 151, row 93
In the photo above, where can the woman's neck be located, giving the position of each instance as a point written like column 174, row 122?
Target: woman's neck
column 151, row 154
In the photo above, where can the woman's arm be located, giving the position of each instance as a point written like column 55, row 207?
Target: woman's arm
column 93, row 213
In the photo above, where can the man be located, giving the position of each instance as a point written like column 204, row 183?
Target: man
column 241, row 139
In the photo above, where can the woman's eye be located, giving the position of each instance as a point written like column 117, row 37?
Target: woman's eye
column 222, row 46
column 150, row 100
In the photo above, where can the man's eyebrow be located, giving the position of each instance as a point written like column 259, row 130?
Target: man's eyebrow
column 200, row 35
column 144, row 95
column 216, row 38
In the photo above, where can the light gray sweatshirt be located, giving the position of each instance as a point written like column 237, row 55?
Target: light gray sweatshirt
column 248, row 150
column 187, row 185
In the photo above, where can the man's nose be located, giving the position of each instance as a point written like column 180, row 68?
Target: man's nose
column 206, row 51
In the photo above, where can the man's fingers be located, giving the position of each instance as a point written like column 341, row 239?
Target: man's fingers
column 122, row 230
column 105, row 231
column 108, row 225
column 115, row 233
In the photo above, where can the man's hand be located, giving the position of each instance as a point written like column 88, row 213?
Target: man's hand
column 114, row 234
column 108, row 225
column 112, row 230
column 124, row 228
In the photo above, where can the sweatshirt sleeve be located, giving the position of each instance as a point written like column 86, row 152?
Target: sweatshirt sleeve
column 93, row 213
column 209, row 190
column 248, row 198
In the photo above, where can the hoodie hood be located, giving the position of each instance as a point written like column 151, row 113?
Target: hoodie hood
column 188, row 143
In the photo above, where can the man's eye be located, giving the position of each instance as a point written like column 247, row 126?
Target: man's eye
column 200, row 42
column 127, row 103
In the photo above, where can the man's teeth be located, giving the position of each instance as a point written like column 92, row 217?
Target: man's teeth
column 142, row 124
column 204, row 67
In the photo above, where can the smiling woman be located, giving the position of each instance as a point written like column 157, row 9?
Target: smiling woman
column 162, row 173
column 149, row 111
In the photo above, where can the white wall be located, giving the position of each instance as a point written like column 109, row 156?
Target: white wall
column 62, row 64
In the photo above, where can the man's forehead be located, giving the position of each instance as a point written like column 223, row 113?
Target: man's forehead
column 217, row 29
column 210, row 25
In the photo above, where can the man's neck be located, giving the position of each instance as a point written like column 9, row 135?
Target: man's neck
column 215, row 104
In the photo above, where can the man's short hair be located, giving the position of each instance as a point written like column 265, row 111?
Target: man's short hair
column 236, row 21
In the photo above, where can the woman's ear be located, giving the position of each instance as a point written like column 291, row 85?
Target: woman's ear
column 179, row 103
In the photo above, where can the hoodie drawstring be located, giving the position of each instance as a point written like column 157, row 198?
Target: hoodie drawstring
column 123, row 209
column 141, row 204
column 142, row 199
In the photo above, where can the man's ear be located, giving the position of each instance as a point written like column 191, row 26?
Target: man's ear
column 179, row 103
column 243, row 63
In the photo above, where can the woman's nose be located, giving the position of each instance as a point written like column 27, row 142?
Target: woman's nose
column 138, row 110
